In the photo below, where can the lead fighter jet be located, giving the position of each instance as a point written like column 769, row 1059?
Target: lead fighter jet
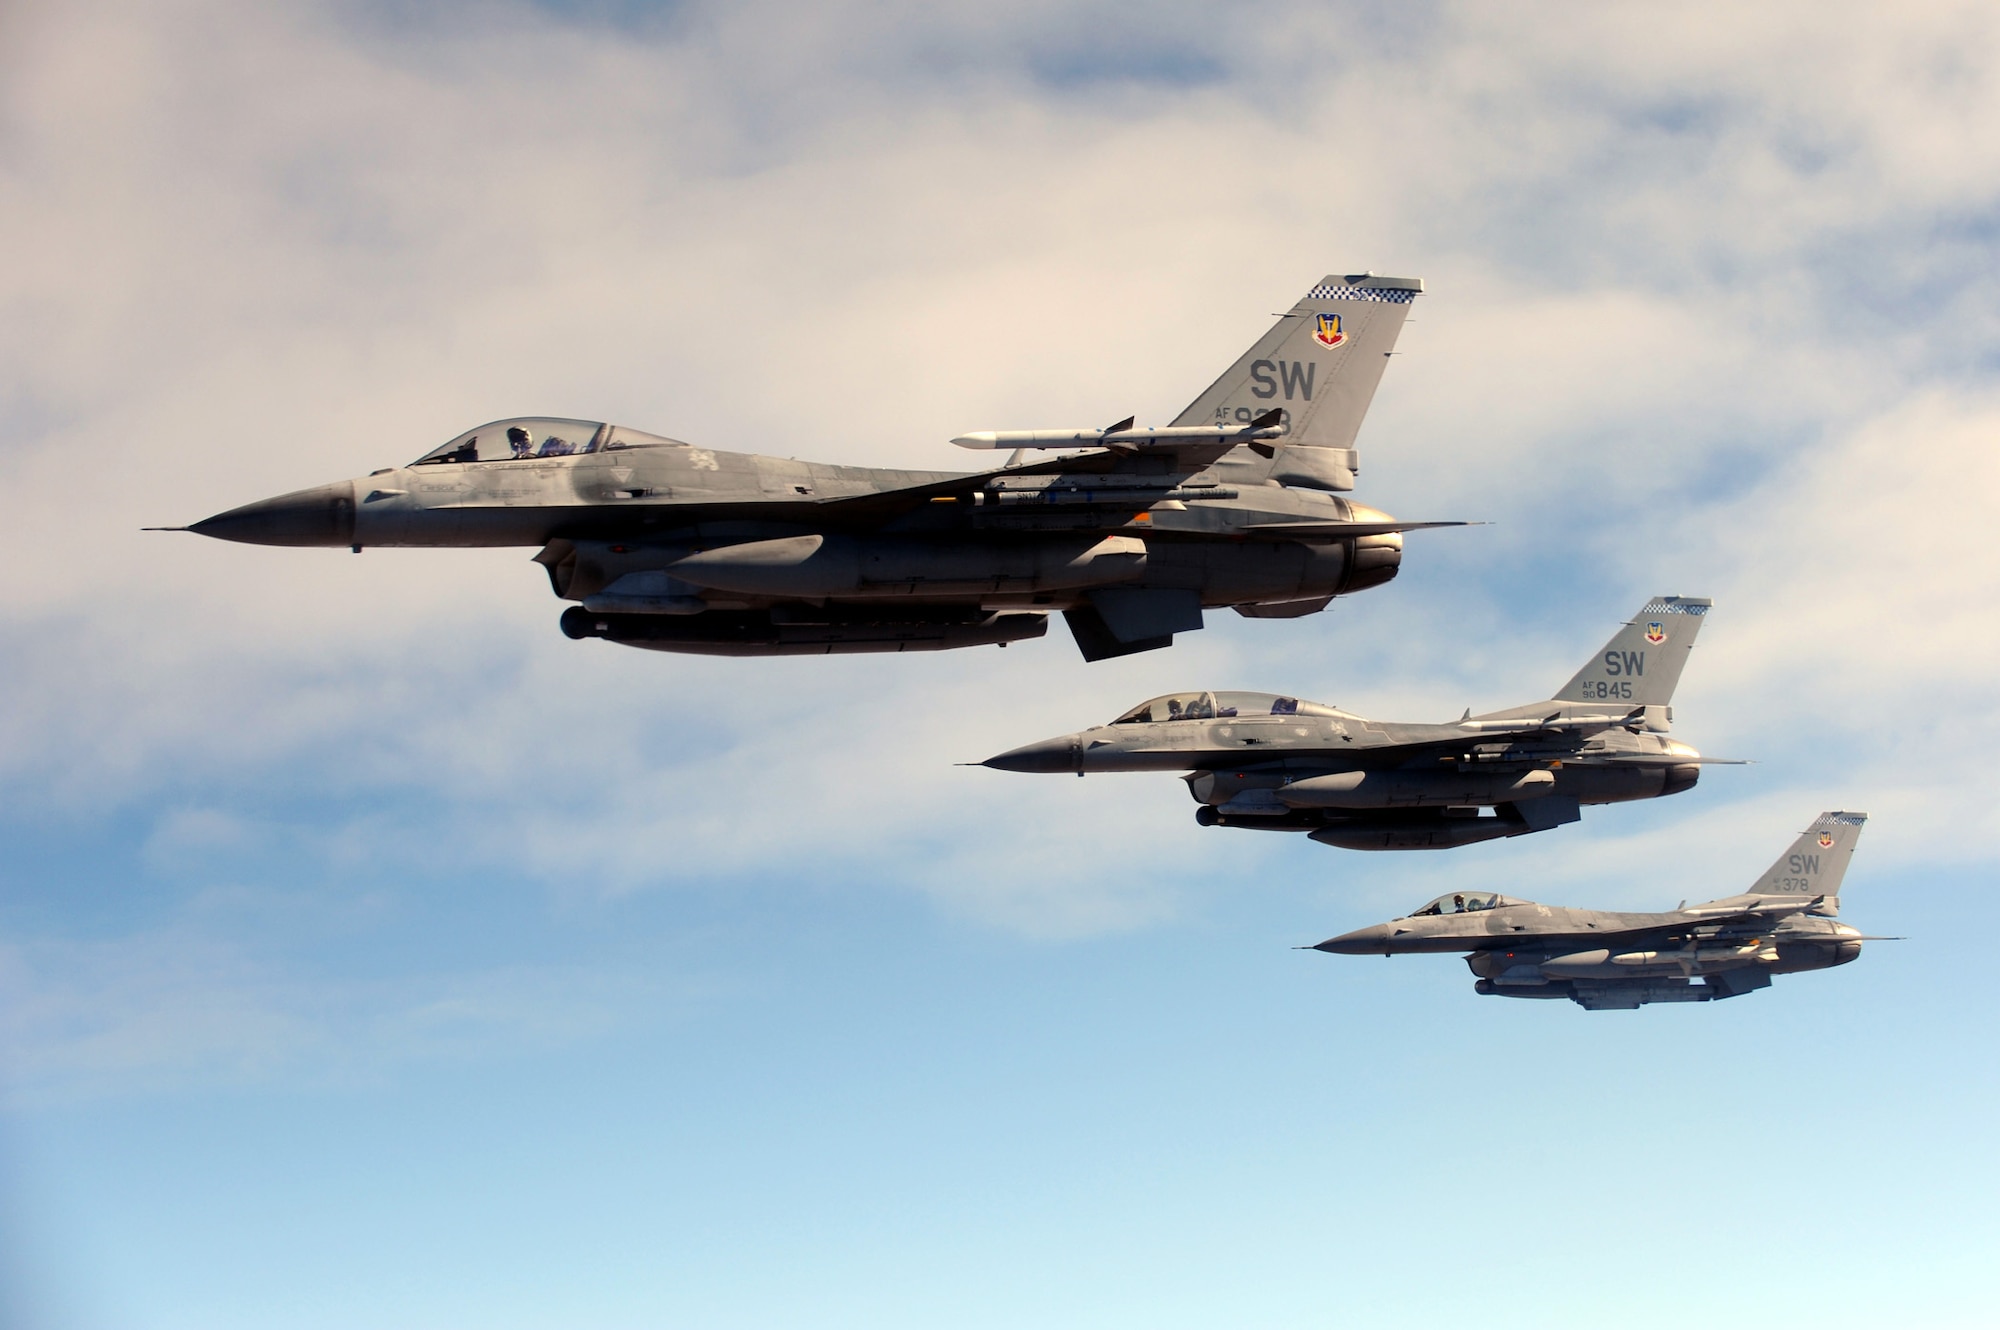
column 678, row 548
column 1276, row 763
column 1606, row 961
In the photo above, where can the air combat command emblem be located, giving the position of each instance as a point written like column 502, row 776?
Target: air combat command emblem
column 1327, row 331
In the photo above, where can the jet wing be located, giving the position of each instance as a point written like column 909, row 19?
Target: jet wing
column 1556, row 722
column 1182, row 462
column 1584, row 724
column 1534, row 745
column 1203, row 443
column 1118, row 449
column 889, row 502
column 1411, row 755
column 894, row 503
column 1534, row 741
column 1345, row 528
column 1654, row 760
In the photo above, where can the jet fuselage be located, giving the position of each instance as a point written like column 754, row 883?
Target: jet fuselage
column 649, row 534
column 1615, row 960
column 663, row 545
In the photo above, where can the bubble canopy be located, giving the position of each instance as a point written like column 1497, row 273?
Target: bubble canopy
column 1465, row 902
column 526, row 438
column 1219, row 706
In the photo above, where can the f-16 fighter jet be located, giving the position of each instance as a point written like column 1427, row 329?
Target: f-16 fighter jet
column 678, row 548
column 1618, row 962
column 1281, row 764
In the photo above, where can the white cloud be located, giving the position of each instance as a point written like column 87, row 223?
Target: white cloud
column 1700, row 313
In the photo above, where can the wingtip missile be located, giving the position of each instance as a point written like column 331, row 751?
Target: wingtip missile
column 1272, row 419
column 1123, row 435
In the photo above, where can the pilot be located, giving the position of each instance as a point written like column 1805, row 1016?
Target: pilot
column 1458, row 904
column 1173, row 708
column 520, row 441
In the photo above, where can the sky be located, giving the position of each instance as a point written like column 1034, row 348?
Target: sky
column 372, row 954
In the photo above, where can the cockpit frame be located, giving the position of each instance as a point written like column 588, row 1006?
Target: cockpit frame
column 1232, row 705
column 1463, row 902
column 539, row 438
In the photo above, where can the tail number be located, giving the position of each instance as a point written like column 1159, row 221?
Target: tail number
column 1628, row 664
column 1243, row 415
column 1297, row 376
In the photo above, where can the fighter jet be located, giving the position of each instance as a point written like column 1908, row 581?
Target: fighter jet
column 1277, row 763
column 672, row 547
column 1606, row 961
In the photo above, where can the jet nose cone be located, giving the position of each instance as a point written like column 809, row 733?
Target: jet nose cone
column 1361, row 942
column 323, row 515
column 1047, row 755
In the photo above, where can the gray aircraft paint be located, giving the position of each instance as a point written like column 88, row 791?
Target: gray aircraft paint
column 1272, row 762
column 1605, row 960
column 672, row 547
column 1323, row 389
column 1644, row 662
column 1815, row 864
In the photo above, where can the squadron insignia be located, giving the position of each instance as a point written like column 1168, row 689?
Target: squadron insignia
column 1826, row 840
column 1327, row 330
column 1656, row 632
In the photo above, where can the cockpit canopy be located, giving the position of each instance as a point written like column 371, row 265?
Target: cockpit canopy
column 1219, row 706
column 525, row 438
column 1466, row 902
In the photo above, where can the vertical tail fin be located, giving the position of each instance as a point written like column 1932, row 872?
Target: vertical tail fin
column 1643, row 662
column 1319, row 365
column 1816, row 862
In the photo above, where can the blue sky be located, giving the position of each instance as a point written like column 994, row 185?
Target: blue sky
column 372, row 954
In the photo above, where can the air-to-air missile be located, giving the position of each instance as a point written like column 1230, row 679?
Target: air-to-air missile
column 677, row 548
column 1607, row 961
column 1276, row 763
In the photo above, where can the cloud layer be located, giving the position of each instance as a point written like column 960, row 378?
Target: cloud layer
column 1711, row 311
